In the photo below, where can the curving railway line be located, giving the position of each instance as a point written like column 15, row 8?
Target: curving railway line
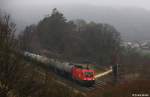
column 101, row 80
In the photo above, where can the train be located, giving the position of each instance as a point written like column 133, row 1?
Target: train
column 81, row 73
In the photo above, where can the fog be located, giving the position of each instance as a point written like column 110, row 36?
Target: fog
column 31, row 3
column 130, row 17
column 30, row 11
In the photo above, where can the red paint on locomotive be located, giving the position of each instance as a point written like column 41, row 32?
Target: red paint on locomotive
column 83, row 74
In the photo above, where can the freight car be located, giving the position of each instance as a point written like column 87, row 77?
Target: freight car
column 82, row 73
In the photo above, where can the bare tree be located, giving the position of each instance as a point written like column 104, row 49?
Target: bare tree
column 12, row 70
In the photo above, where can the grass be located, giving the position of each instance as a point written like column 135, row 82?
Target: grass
column 124, row 89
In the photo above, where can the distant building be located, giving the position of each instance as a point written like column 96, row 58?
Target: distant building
column 130, row 44
column 135, row 45
column 145, row 44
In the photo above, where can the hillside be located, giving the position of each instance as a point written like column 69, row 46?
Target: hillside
column 133, row 23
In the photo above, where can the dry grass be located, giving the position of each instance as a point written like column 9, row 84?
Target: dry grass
column 124, row 90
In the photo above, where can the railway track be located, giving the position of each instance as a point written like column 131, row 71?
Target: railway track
column 100, row 83
column 61, row 78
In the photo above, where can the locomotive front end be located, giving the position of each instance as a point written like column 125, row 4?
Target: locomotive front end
column 84, row 73
column 88, row 77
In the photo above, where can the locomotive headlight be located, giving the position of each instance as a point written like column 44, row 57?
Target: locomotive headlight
column 84, row 78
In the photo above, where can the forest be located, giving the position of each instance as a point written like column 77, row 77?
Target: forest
column 72, row 40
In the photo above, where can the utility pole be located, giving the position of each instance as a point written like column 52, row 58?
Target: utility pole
column 115, row 73
column 115, row 61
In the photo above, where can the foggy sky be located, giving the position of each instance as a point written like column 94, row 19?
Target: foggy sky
column 31, row 3
column 26, row 12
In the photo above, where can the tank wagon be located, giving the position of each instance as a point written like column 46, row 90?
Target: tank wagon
column 82, row 73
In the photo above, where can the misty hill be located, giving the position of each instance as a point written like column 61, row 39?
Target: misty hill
column 133, row 23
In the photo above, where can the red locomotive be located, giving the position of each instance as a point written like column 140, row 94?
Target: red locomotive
column 82, row 73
